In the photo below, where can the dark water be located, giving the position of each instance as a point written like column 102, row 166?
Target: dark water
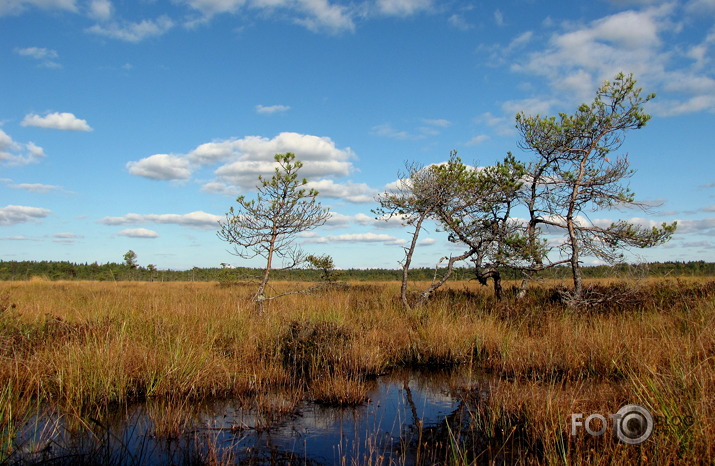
column 410, row 417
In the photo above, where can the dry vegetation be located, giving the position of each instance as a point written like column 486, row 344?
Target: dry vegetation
column 85, row 346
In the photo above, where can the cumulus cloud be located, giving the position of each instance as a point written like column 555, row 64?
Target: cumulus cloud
column 319, row 155
column 242, row 160
column 578, row 58
column 338, row 220
column 138, row 233
column 321, row 15
column 134, row 31
column 14, row 214
column 14, row 153
column 704, row 226
column 198, row 219
column 356, row 238
column 161, row 167
column 217, row 187
column 351, row 192
column 270, row 109
column 605, row 46
column 63, row 121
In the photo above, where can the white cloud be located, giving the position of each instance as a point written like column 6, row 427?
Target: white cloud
column 476, row 140
column 63, row 121
column 321, row 15
column 316, row 15
column 338, row 220
column 351, row 192
column 502, row 126
column 14, row 153
column 701, row 6
column 161, row 167
column 134, row 32
column 14, row 214
column 458, row 22
column 271, row 109
column 403, row 7
column 138, row 233
column 46, row 57
column 18, row 238
column 528, row 106
column 697, row 244
column 212, row 7
column 254, row 156
column 36, row 187
column 15, row 7
column 100, row 9
column 704, row 226
column 198, row 219
column 499, row 17
column 579, row 58
column 387, row 131
column 66, row 237
column 357, row 238
column 521, row 40
column 439, row 122
column 38, row 53
column 216, row 187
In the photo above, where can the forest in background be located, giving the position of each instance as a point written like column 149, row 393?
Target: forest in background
column 65, row 270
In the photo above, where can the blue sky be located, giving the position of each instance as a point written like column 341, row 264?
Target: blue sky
column 135, row 124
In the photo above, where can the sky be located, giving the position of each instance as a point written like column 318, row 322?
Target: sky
column 135, row 124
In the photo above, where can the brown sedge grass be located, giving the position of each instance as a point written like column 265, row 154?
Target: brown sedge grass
column 87, row 345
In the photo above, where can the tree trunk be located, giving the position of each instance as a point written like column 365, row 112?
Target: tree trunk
column 524, row 286
column 408, row 260
column 498, row 291
column 576, row 271
column 495, row 275
column 573, row 238
column 427, row 294
column 261, row 293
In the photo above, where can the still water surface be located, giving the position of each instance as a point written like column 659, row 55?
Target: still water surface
column 404, row 410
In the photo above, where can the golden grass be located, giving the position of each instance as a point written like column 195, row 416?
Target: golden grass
column 84, row 346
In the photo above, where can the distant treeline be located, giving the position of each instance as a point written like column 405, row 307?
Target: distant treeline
column 53, row 270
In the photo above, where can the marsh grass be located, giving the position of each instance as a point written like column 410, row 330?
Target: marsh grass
column 87, row 346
